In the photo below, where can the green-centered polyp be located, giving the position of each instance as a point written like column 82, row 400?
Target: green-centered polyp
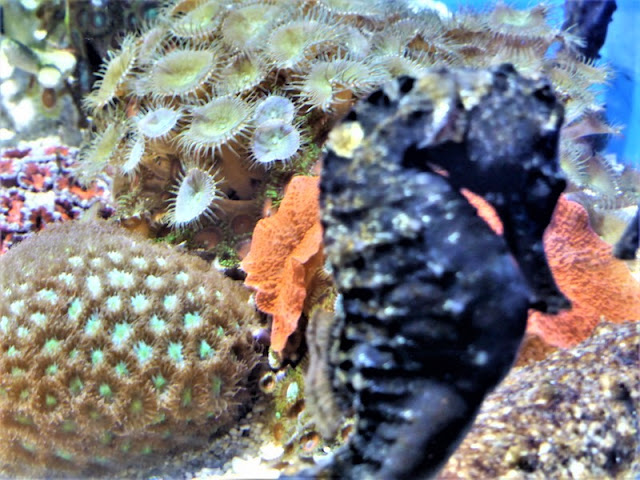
column 92, row 373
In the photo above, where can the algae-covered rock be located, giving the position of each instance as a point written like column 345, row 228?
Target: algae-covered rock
column 573, row 415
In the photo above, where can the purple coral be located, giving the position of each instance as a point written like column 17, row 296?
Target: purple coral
column 37, row 187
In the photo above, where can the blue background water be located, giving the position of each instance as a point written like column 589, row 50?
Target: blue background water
column 622, row 52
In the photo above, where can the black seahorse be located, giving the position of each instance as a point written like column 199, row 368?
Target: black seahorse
column 433, row 304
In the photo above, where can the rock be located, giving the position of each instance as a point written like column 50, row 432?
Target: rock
column 589, row 19
column 573, row 415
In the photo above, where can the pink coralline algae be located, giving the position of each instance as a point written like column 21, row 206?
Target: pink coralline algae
column 37, row 187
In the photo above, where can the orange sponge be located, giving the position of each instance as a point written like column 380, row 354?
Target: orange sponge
column 286, row 250
column 599, row 286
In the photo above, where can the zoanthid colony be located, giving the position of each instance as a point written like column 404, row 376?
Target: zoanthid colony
column 244, row 92
column 115, row 350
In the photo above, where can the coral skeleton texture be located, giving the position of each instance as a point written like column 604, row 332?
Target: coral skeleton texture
column 114, row 350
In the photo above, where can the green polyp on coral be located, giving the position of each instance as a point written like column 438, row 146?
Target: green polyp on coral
column 121, row 369
column 170, row 302
column 181, row 72
column 38, row 318
column 64, row 455
column 52, row 346
column 105, row 391
column 206, row 351
column 93, row 326
column 143, row 352
column 48, row 295
column 90, row 385
column 136, row 407
column 274, row 140
column 174, row 351
column 23, row 419
column 199, row 19
column 113, row 303
column 216, row 386
column 120, row 336
column 75, row 309
column 157, row 325
column 140, row 303
column 193, row 198
column 76, row 386
column 215, row 123
column 159, row 382
column 106, row 438
column 69, row 426
column 192, row 320
column 119, row 279
column 187, row 395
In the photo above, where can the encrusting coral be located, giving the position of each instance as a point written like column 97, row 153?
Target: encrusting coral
column 600, row 286
column 117, row 352
column 286, row 251
column 193, row 87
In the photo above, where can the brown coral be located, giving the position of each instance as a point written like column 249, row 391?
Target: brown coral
column 114, row 350
column 286, row 251
column 598, row 285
